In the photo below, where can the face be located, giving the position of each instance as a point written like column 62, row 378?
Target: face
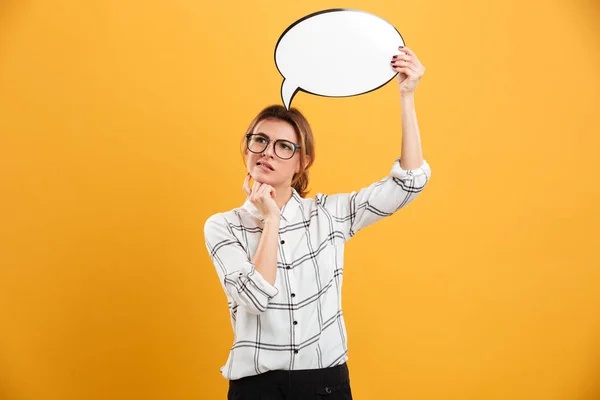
column 266, row 167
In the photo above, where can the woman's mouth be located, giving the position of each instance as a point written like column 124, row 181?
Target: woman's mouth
column 265, row 166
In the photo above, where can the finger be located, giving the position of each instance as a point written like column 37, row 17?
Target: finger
column 255, row 188
column 258, row 191
column 266, row 191
column 246, row 185
column 400, row 63
column 406, row 64
column 406, row 50
column 413, row 66
column 407, row 71
column 403, row 61
column 402, row 57
column 412, row 54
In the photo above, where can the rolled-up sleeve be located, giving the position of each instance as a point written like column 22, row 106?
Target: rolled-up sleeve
column 357, row 210
column 238, row 275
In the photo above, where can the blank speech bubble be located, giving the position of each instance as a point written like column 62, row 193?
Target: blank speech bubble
column 338, row 52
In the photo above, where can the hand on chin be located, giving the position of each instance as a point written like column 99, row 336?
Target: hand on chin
column 261, row 176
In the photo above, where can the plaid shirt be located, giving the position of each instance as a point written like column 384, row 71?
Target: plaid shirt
column 298, row 322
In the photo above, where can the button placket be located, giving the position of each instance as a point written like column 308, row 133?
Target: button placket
column 282, row 242
column 292, row 295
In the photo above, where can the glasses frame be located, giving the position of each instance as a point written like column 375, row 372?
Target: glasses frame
column 268, row 139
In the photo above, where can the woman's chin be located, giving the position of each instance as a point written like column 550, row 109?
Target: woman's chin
column 263, row 177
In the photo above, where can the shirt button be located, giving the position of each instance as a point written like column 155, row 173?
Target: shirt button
column 293, row 294
column 288, row 267
column 283, row 242
column 328, row 390
column 295, row 351
column 295, row 322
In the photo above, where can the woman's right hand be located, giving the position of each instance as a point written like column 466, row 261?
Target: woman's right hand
column 262, row 196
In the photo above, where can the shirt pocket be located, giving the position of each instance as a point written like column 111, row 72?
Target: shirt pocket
column 326, row 261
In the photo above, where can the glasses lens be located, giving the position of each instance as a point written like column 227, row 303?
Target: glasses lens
column 284, row 149
column 257, row 144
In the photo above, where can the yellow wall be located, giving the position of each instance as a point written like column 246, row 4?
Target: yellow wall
column 119, row 131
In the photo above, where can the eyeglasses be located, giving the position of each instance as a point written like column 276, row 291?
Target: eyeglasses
column 258, row 143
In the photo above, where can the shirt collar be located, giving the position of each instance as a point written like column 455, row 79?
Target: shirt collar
column 288, row 211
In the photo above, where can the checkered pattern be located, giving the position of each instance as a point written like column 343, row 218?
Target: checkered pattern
column 298, row 322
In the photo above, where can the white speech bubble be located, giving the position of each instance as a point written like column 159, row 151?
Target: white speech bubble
column 336, row 53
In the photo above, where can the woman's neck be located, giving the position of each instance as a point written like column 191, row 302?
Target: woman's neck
column 283, row 195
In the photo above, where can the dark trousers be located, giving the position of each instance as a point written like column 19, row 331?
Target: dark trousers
column 309, row 384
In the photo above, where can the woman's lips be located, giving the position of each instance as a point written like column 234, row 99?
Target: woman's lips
column 265, row 164
column 263, row 167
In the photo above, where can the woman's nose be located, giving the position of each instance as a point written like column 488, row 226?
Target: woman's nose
column 268, row 151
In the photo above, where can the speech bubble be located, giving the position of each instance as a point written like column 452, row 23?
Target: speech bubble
column 339, row 52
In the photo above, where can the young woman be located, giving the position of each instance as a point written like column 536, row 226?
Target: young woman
column 280, row 255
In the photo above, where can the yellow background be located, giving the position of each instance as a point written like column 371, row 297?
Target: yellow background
column 119, row 130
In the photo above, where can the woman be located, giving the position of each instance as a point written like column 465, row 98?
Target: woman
column 280, row 256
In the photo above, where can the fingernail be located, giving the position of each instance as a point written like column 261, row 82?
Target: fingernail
column 395, row 57
column 401, row 47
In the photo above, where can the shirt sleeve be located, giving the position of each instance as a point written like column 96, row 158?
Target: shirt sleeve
column 238, row 275
column 357, row 210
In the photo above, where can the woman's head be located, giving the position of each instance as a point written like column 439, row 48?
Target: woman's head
column 279, row 148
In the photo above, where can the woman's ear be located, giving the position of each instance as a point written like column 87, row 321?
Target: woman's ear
column 306, row 161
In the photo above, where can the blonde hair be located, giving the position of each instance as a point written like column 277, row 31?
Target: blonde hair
column 304, row 132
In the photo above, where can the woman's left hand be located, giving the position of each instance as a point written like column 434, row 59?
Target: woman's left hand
column 409, row 68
